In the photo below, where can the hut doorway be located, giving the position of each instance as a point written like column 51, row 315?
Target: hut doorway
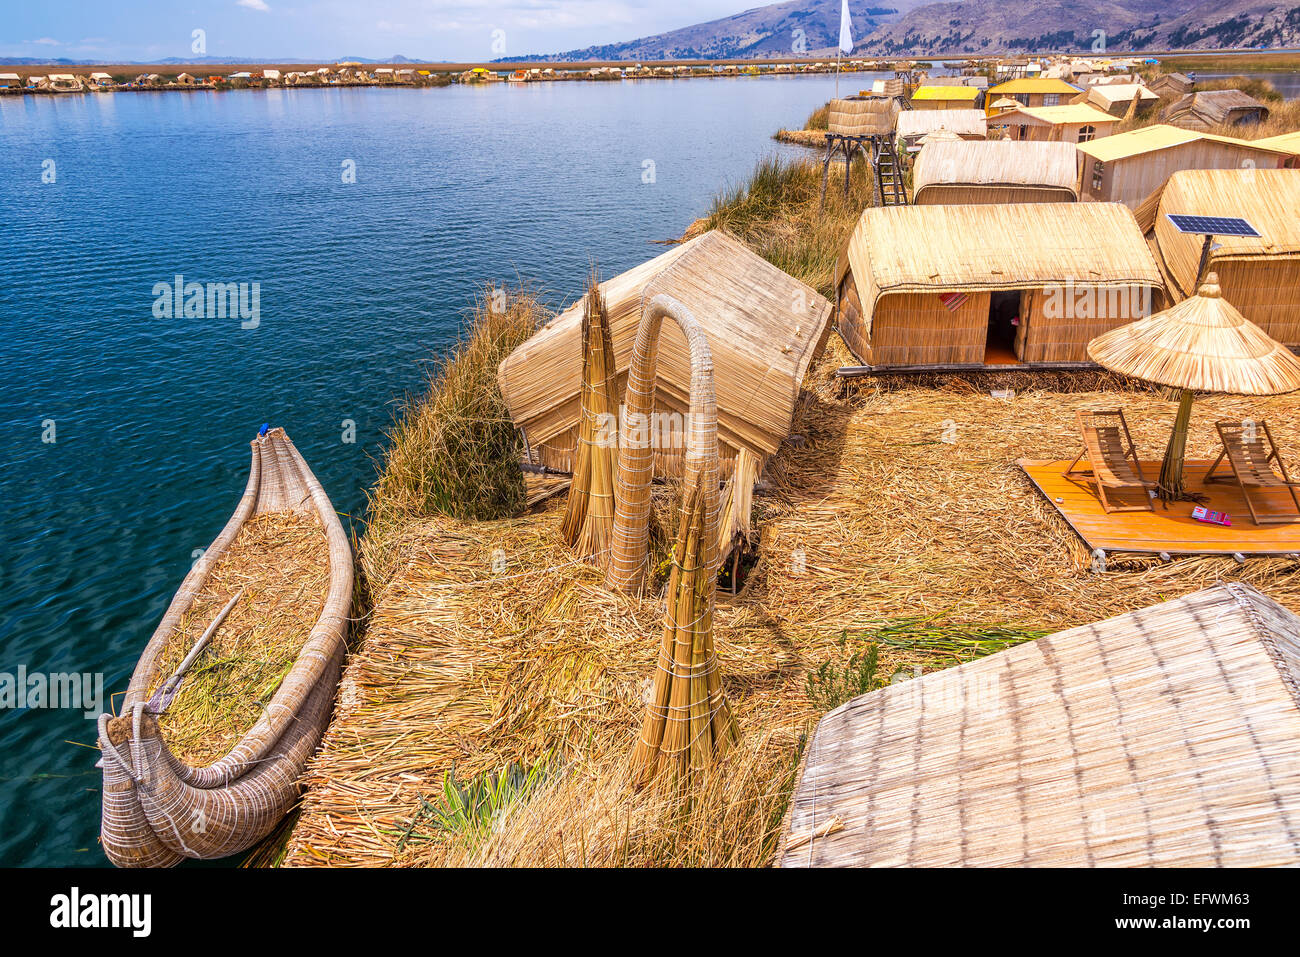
column 1004, row 318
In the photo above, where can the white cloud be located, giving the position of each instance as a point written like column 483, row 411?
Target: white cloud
column 254, row 5
column 46, row 42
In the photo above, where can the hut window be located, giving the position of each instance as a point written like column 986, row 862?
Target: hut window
column 1051, row 99
column 1087, row 133
column 1098, row 174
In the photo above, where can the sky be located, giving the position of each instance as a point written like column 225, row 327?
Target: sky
column 458, row 30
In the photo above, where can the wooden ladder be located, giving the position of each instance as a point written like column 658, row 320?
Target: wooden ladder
column 889, row 173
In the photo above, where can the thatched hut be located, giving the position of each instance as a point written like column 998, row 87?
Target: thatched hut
column 1259, row 275
column 967, row 124
column 996, row 171
column 764, row 329
column 1128, row 167
column 1171, row 85
column 935, row 97
column 1071, row 123
column 862, row 116
column 1117, row 98
column 1164, row 737
column 1031, row 91
column 1210, row 108
column 939, row 287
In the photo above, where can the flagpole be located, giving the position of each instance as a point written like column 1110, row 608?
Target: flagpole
column 837, row 73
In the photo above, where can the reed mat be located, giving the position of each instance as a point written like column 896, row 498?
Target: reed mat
column 491, row 643
column 281, row 562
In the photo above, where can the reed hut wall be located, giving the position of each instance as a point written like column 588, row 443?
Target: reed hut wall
column 1260, row 276
column 867, row 116
column 1130, row 179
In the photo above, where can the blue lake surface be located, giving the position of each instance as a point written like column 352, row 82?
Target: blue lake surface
column 361, row 284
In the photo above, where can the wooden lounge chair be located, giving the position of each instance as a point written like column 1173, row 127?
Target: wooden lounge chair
column 1250, row 452
column 1109, row 449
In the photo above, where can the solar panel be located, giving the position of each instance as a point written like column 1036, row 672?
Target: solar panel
column 1212, row 225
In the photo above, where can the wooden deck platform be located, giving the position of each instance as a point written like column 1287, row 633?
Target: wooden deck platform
column 1171, row 530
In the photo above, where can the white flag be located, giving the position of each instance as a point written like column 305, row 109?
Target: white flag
column 846, row 28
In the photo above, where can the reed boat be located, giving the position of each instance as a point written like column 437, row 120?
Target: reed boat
column 204, row 758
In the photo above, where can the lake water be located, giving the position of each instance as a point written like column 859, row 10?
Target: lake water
column 125, row 435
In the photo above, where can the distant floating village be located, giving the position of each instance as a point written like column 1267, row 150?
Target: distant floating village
column 358, row 74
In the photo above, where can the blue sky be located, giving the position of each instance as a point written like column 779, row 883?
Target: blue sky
column 110, row 30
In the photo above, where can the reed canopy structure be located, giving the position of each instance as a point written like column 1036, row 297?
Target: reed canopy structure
column 1201, row 344
column 1260, row 275
column 1027, row 284
column 995, row 171
column 1163, row 737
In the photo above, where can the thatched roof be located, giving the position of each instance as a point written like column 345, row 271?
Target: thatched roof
column 1064, row 115
column 998, row 163
column 1151, row 139
column 763, row 326
column 1266, row 198
column 1285, row 141
column 864, row 116
column 1202, row 343
column 1210, row 108
column 894, row 249
column 1165, row 737
column 937, row 92
column 917, row 123
column 1116, row 97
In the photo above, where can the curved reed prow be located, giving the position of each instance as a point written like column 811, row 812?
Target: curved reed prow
column 688, row 721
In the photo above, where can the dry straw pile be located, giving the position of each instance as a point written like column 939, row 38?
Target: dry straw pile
column 279, row 566
column 491, row 644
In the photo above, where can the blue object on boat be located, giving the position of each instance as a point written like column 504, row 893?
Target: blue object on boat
column 266, row 427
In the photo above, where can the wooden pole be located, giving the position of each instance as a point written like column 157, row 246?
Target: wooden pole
column 1171, row 469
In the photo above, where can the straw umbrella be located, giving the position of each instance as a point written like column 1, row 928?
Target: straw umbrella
column 1203, row 344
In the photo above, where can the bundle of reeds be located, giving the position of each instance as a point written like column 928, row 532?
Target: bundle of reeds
column 589, row 517
column 688, row 722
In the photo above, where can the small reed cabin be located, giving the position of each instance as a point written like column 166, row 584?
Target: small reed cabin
column 944, row 98
column 1117, row 98
column 1165, row 737
column 1072, row 123
column 1211, row 108
column 764, row 330
column 1171, row 85
column 1259, row 275
column 863, row 116
column 995, row 171
column 924, row 288
column 967, row 124
column 1128, row 167
column 1039, row 91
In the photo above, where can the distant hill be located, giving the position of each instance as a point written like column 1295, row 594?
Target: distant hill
column 996, row 26
column 793, row 28
column 202, row 60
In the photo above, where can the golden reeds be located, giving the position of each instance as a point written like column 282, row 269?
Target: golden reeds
column 279, row 564
column 875, row 516
column 688, row 722
column 589, row 515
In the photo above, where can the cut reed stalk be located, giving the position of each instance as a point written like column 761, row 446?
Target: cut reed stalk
column 589, row 516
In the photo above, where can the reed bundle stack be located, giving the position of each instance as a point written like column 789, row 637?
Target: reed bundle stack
column 589, row 516
column 688, row 721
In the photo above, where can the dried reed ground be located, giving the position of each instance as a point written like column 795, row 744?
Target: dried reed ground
column 467, row 667
column 281, row 562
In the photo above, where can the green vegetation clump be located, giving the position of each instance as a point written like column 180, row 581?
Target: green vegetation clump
column 456, row 451
column 472, row 808
column 777, row 212
column 927, row 642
